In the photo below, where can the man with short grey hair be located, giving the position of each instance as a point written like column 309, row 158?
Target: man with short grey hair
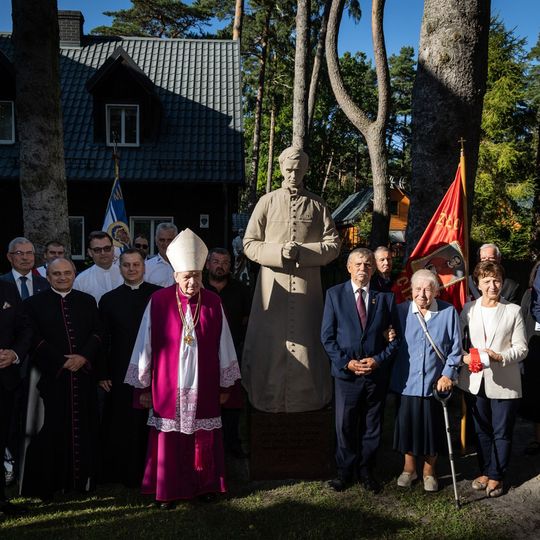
column 382, row 280
column 353, row 333
column 511, row 290
column 158, row 269
column 21, row 255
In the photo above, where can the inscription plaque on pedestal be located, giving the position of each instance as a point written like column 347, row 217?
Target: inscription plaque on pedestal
column 292, row 445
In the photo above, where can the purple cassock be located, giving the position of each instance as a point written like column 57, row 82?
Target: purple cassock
column 185, row 451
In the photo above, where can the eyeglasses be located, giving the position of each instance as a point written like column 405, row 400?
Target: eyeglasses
column 19, row 253
column 141, row 246
column 104, row 249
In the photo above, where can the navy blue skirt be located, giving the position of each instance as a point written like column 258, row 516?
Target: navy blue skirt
column 419, row 428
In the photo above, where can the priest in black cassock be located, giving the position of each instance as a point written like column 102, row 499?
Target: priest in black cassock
column 67, row 344
column 125, row 433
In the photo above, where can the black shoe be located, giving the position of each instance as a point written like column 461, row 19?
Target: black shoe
column 10, row 509
column 370, row 484
column 207, row 498
column 338, row 484
column 169, row 505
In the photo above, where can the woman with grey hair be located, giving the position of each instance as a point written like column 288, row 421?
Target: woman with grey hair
column 428, row 356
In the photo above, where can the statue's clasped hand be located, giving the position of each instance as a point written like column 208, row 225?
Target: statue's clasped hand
column 290, row 251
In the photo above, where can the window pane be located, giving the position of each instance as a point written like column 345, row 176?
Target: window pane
column 76, row 232
column 6, row 121
column 130, row 136
column 115, row 124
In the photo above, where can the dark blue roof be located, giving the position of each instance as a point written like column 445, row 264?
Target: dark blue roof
column 199, row 87
column 349, row 210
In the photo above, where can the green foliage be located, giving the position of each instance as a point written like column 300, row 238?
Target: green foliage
column 159, row 18
column 504, row 184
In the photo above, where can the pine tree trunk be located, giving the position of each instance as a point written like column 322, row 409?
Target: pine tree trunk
column 238, row 16
column 301, row 61
column 373, row 131
column 327, row 175
column 447, row 103
column 252, row 186
column 270, row 169
column 39, row 122
column 317, row 62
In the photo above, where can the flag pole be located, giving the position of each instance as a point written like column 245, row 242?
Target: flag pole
column 465, row 217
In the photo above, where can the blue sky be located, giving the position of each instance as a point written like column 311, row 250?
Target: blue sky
column 402, row 21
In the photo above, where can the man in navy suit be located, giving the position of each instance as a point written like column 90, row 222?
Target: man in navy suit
column 21, row 255
column 354, row 333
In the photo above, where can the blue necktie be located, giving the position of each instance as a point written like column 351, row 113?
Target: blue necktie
column 25, row 293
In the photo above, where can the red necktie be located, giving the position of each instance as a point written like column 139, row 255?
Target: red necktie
column 361, row 308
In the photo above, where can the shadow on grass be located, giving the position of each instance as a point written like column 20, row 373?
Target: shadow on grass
column 263, row 514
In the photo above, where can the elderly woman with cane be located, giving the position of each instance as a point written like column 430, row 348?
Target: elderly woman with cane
column 429, row 355
column 492, row 381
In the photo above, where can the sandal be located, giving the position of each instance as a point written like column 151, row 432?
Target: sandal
column 496, row 491
column 478, row 485
column 532, row 449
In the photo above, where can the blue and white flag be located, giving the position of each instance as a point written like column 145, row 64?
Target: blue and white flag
column 115, row 222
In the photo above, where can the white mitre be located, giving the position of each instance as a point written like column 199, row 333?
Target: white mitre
column 187, row 252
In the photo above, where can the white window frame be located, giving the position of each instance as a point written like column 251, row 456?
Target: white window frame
column 82, row 255
column 122, row 134
column 154, row 222
column 12, row 140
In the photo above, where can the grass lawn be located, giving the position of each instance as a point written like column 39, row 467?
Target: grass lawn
column 272, row 509
column 259, row 510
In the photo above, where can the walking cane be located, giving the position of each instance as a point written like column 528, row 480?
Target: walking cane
column 443, row 398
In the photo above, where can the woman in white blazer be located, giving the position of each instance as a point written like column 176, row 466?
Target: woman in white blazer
column 496, row 329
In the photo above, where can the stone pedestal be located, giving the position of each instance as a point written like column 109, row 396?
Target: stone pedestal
column 291, row 445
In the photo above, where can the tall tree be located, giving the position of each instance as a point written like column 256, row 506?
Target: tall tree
column 39, row 121
column 504, row 181
column 447, row 102
column 238, row 17
column 160, row 18
column 533, row 94
column 372, row 130
column 301, row 67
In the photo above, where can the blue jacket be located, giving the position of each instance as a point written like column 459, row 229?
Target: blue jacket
column 342, row 335
column 417, row 367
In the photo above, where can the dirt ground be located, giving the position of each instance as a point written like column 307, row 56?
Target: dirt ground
column 521, row 503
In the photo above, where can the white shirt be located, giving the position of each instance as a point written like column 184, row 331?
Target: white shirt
column 159, row 272
column 29, row 282
column 98, row 281
column 356, row 289
column 42, row 270
column 433, row 308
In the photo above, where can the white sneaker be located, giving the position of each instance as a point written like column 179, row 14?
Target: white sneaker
column 405, row 479
column 431, row 483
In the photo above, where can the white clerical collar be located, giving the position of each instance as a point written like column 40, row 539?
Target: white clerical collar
column 62, row 294
column 104, row 270
column 134, row 287
column 356, row 288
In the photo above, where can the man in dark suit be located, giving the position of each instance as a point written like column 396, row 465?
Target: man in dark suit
column 15, row 339
column 21, row 255
column 354, row 333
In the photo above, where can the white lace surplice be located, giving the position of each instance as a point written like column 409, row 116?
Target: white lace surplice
column 139, row 375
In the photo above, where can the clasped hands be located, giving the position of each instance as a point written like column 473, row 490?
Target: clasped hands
column 365, row 366
column 7, row 357
column 290, row 251
column 493, row 356
column 74, row 362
